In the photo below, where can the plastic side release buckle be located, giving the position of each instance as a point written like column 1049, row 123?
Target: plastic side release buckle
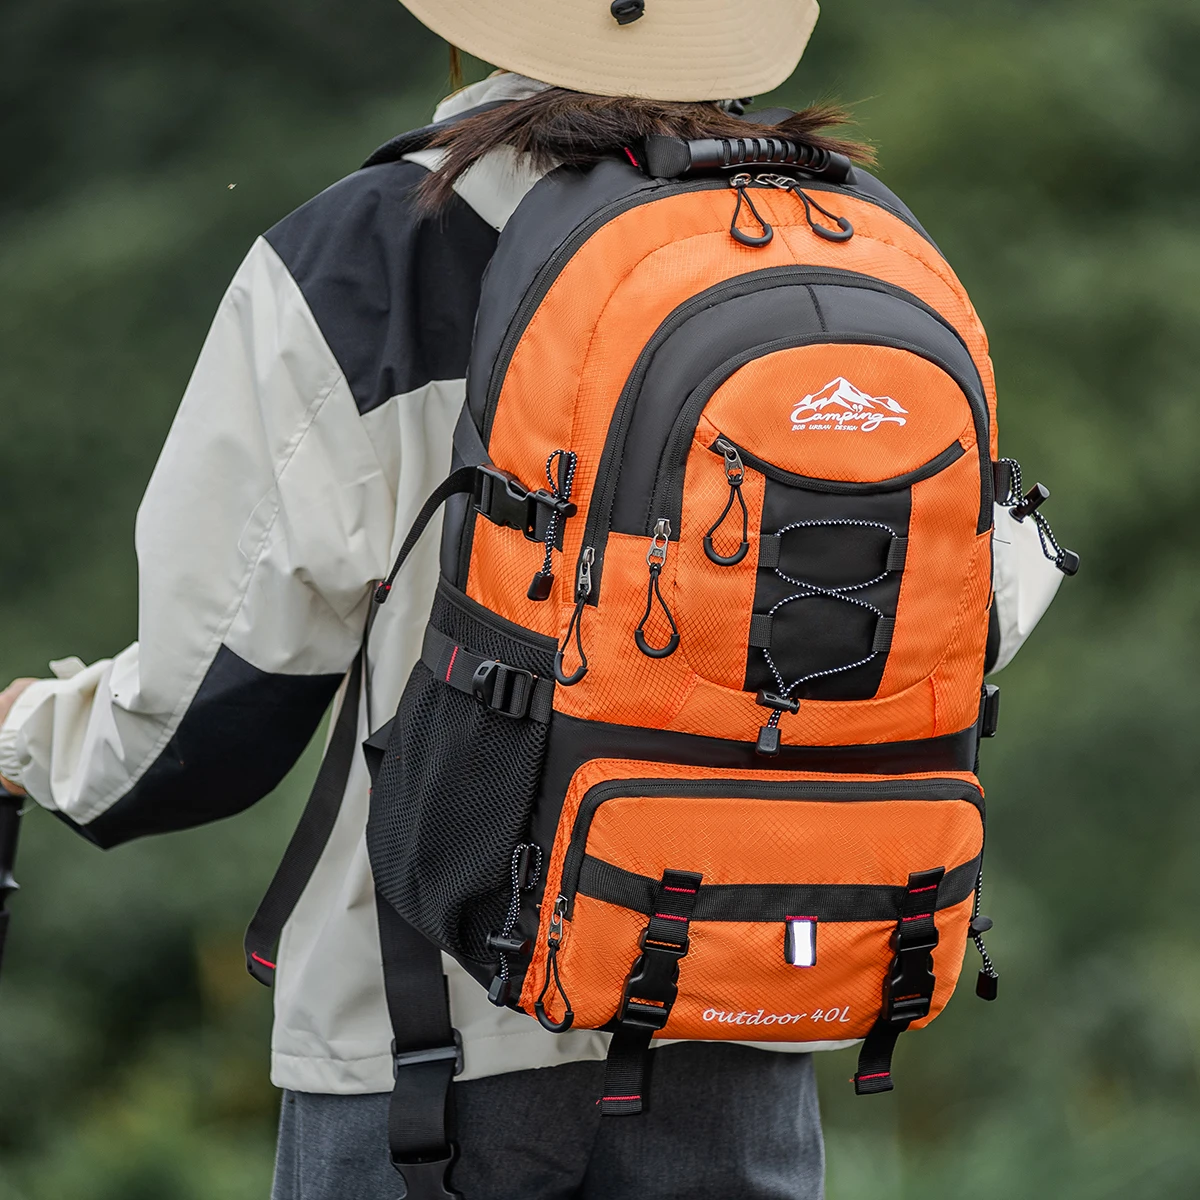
column 506, row 501
column 651, row 988
column 911, row 981
column 428, row 1180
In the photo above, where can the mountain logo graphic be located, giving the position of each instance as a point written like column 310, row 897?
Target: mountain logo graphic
column 840, row 405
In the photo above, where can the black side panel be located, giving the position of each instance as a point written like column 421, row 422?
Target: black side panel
column 240, row 735
column 544, row 220
column 395, row 296
column 822, row 633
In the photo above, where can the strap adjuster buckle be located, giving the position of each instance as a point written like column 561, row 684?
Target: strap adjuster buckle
column 910, row 981
column 504, row 689
column 414, row 1058
column 506, row 501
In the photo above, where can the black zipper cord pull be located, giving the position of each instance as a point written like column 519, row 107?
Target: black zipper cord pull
column 583, row 590
column 554, row 941
column 656, row 558
column 987, row 983
column 741, row 181
column 1020, row 507
column 844, row 231
column 735, row 473
column 560, row 483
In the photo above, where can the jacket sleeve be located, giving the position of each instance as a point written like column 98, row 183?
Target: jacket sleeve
column 266, row 519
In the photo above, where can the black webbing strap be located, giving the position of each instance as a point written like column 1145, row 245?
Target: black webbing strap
column 310, row 837
column 507, row 690
column 462, row 480
column 908, row 989
column 426, row 1055
column 649, row 994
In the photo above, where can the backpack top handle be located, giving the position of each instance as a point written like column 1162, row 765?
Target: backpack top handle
column 677, row 158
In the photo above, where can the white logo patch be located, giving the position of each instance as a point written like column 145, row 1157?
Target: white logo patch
column 840, row 405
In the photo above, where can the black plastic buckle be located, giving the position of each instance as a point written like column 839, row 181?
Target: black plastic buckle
column 910, row 981
column 413, row 1058
column 989, row 711
column 506, row 501
column 651, row 987
column 777, row 702
column 504, row 689
column 428, row 1180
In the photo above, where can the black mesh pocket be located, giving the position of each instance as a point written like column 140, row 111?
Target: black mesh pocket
column 453, row 793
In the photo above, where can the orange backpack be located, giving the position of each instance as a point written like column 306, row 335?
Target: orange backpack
column 690, row 749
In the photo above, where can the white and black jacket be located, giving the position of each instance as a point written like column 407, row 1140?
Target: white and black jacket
column 317, row 420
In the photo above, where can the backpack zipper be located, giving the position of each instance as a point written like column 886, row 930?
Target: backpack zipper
column 745, row 789
column 553, row 266
column 841, row 487
column 600, row 507
column 668, row 488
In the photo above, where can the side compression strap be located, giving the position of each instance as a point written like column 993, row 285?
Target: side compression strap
column 507, row 690
column 908, row 989
column 649, row 994
column 426, row 1055
column 310, row 837
column 462, row 480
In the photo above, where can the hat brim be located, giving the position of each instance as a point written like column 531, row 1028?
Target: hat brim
column 678, row 50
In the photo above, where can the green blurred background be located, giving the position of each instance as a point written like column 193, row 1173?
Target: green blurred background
column 1051, row 148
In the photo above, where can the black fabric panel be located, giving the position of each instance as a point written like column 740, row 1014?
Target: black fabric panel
column 819, row 633
column 394, row 295
column 699, row 346
column 556, row 204
column 851, row 310
column 241, row 734
column 771, row 902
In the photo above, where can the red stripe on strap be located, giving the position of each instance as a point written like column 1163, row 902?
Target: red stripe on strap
column 259, row 959
column 451, row 666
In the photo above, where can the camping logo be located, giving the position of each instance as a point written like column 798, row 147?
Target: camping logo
column 840, row 405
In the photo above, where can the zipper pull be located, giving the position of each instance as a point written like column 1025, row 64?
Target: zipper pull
column 583, row 589
column 844, row 231
column 656, row 558
column 987, row 983
column 553, row 941
column 735, row 473
column 560, row 488
column 741, row 182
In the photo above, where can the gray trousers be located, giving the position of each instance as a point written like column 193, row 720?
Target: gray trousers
column 725, row 1123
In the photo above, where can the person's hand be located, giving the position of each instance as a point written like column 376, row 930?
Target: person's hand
column 8, row 698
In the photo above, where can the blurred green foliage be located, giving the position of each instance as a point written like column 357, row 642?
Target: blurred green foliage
column 1051, row 150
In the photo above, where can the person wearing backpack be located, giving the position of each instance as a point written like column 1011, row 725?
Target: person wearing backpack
column 688, row 700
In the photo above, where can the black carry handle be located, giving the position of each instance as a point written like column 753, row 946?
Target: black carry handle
column 675, row 158
column 11, row 807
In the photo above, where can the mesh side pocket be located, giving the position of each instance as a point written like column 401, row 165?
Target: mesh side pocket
column 454, row 793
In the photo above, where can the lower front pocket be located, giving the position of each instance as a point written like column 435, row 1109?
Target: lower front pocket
column 802, row 883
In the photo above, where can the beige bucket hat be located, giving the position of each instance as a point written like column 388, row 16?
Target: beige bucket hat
column 656, row 49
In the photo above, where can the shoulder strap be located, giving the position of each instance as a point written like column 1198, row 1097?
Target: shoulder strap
column 310, row 838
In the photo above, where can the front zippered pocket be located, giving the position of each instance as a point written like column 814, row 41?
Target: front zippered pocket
column 624, row 461
column 833, row 854
column 841, row 487
column 667, row 497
